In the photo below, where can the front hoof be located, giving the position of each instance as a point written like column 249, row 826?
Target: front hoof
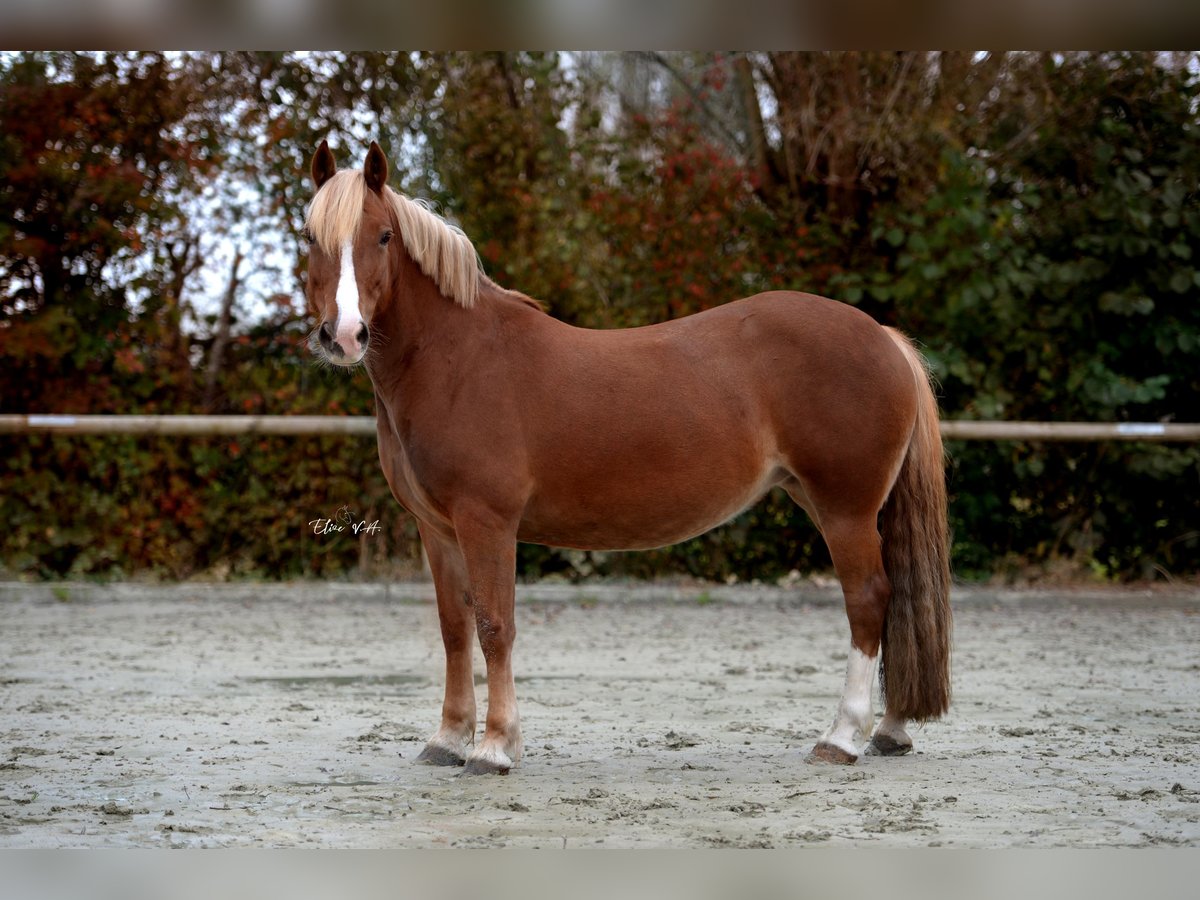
column 886, row 745
column 437, row 755
column 831, row 753
column 480, row 766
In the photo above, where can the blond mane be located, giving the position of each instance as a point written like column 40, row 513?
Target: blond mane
column 441, row 250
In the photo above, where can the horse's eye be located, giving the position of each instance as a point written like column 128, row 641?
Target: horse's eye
column 387, row 236
column 309, row 238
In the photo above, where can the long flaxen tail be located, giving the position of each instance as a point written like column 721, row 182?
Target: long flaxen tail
column 915, row 670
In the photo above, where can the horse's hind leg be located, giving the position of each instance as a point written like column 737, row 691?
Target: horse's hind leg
column 854, row 545
column 449, row 745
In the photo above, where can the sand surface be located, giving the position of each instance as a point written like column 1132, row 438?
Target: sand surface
column 653, row 716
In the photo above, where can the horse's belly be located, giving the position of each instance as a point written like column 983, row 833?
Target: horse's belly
column 641, row 516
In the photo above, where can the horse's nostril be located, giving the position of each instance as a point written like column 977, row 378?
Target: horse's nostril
column 362, row 335
column 326, row 333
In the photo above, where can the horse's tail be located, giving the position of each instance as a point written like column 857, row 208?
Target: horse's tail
column 914, row 673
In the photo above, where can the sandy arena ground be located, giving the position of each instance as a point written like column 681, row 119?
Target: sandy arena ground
column 289, row 715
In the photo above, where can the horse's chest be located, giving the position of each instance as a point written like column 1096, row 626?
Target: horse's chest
column 409, row 479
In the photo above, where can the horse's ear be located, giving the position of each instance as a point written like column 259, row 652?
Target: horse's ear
column 375, row 169
column 323, row 165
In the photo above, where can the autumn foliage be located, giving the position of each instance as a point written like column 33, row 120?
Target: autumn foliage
column 1030, row 219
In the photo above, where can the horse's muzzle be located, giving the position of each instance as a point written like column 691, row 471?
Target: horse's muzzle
column 342, row 349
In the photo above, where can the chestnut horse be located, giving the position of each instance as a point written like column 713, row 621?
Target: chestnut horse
column 499, row 424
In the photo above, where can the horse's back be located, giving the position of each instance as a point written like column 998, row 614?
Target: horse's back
column 771, row 363
column 808, row 358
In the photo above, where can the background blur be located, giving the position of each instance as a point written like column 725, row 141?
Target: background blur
column 1030, row 218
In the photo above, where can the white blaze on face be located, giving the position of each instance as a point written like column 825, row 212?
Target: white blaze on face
column 349, row 319
column 854, row 715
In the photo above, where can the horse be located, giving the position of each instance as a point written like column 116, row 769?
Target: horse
column 498, row 423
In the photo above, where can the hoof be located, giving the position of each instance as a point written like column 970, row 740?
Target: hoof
column 480, row 766
column 436, row 755
column 886, row 745
column 829, row 753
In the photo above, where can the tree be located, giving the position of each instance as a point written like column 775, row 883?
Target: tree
column 93, row 149
column 1029, row 217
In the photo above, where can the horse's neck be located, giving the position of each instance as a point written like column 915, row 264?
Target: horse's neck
column 420, row 335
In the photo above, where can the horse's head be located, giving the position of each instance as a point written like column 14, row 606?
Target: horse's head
column 350, row 225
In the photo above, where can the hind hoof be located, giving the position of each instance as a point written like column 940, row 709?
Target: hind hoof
column 436, row 755
column 886, row 745
column 830, row 753
column 478, row 766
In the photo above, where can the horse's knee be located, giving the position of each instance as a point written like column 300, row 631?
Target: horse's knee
column 496, row 633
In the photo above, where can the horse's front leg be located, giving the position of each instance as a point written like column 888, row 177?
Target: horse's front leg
column 490, row 550
column 452, row 741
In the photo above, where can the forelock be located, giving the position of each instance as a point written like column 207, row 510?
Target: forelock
column 336, row 211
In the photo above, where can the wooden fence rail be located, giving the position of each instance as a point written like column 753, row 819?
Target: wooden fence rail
column 201, row 426
column 195, row 426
